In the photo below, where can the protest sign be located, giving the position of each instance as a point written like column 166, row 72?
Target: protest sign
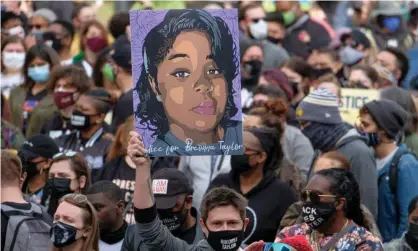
column 352, row 100
column 186, row 77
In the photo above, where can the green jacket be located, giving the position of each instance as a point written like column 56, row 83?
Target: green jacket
column 43, row 112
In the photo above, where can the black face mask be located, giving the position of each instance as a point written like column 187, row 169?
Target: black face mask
column 411, row 236
column 59, row 185
column 253, row 69
column 80, row 121
column 274, row 40
column 240, row 163
column 317, row 214
column 50, row 37
column 62, row 234
column 228, row 240
column 173, row 220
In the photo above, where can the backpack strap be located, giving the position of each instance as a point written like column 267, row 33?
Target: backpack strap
column 331, row 243
column 393, row 177
column 8, row 211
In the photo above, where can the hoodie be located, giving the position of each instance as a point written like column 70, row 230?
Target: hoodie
column 264, row 211
column 400, row 39
column 155, row 236
column 363, row 164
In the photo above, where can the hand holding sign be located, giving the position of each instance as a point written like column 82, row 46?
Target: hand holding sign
column 137, row 151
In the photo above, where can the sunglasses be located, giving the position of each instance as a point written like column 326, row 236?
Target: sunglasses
column 68, row 154
column 314, row 196
column 79, row 198
column 255, row 20
column 37, row 26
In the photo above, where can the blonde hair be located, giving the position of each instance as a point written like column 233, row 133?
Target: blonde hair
column 90, row 220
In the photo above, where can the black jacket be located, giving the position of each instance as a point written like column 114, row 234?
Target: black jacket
column 110, row 169
column 267, row 204
column 94, row 150
column 305, row 35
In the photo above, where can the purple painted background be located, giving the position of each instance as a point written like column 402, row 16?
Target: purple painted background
column 142, row 21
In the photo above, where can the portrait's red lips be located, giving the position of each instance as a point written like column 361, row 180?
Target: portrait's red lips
column 205, row 108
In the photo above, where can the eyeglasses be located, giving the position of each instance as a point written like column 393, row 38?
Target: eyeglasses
column 314, row 196
column 68, row 154
column 79, row 198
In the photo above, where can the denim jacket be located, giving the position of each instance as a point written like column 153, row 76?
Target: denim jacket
column 393, row 224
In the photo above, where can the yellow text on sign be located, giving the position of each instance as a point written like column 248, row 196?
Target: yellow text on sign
column 352, row 100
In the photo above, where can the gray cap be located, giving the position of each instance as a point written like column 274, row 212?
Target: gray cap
column 388, row 8
column 46, row 13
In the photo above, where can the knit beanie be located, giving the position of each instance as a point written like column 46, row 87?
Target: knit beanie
column 46, row 13
column 388, row 115
column 319, row 106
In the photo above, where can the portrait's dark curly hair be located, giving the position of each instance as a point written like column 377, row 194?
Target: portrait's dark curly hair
column 158, row 43
column 344, row 185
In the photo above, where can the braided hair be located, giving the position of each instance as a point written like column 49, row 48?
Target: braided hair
column 344, row 185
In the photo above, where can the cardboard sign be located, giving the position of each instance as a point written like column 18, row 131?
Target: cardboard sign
column 187, row 84
column 352, row 100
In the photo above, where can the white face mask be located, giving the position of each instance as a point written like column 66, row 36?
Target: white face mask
column 18, row 30
column 259, row 30
column 13, row 60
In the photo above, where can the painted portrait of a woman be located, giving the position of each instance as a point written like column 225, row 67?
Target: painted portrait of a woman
column 186, row 87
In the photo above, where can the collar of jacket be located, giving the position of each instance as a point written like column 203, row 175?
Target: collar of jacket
column 302, row 20
column 93, row 138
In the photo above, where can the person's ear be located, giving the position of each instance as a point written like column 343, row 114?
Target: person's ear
column 121, row 206
column 243, row 25
column 101, row 118
column 48, row 163
column 341, row 204
column 86, row 232
column 263, row 158
column 204, row 228
column 189, row 202
column 23, row 178
column 82, row 181
column 398, row 74
column 246, row 221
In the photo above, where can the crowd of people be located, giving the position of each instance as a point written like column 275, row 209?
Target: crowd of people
column 76, row 176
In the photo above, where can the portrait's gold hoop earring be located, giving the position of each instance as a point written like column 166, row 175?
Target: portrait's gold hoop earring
column 159, row 98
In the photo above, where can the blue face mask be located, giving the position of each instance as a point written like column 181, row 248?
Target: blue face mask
column 373, row 139
column 39, row 74
column 392, row 23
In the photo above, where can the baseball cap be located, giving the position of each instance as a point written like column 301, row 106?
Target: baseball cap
column 358, row 38
column 121, row 53
column 167, row 184
column 39, row 146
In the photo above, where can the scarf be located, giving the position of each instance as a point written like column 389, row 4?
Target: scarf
column 324, row 136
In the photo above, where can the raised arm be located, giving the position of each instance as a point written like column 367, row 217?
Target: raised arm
column 149, row 229
column 143, row 196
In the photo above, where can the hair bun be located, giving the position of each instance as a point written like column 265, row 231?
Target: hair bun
column 277, row 106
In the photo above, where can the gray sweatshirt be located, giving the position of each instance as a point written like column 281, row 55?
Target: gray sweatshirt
column 363, row 165
column 156, row 237
column 298, row 150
